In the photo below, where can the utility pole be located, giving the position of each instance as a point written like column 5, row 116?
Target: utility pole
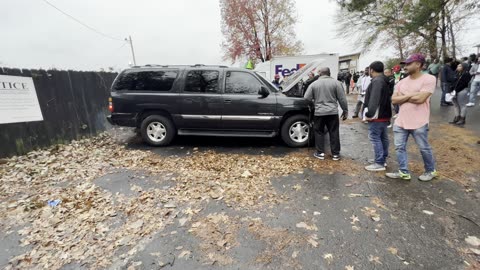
column 129, row 39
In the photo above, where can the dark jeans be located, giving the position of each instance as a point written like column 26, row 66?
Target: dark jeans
column 359, row 109
column 321, row 125
column 445, row 89
column 378, row 135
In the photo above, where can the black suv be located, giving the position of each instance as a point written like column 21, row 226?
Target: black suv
column 164, row 101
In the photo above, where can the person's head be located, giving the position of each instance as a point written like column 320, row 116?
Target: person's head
column 324, row 71
column 463, row 67
column 465, row 59
column 311, row 75
column 376, row 68
column 396, row 69
column 277, row 77
column 435, row 61
column 448, row 60
column 425, row 66
column 388, row 72
column 362, row 72
column 367, row 71
column 414, row 63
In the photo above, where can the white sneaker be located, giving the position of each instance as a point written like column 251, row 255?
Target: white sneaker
column 478, row 94
column 470, row 104
column 375, row 168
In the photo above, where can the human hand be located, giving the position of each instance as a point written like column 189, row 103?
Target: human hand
column 344, row 116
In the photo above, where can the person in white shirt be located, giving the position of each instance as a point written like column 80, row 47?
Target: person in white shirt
column 363, row 83
column 475, row 87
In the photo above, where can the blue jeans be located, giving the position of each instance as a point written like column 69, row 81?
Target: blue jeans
column 421, row 138
column 445, row 89
column 474, row 90
column 378, row 135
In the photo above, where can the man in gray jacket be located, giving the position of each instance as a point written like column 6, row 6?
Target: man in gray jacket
column 327, row 93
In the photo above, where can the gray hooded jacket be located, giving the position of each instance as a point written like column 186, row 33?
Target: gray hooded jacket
column 327, row 93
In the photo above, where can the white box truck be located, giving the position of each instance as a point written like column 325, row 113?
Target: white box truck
column 287, row 65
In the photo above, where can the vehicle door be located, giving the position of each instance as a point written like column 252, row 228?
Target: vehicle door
column 201, row 100
column 243, row 107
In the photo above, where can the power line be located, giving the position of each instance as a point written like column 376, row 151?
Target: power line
column 80, row 22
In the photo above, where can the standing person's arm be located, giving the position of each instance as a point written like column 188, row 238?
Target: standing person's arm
column 342, row 99
column 427, row 90
column 373, row 102
column 309, row 94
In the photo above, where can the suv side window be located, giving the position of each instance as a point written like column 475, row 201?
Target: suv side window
column 151, row 80
column 238, row 82
column 202, row 81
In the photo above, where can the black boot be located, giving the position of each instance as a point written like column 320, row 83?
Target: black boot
column 461, row 121
column 455, row 120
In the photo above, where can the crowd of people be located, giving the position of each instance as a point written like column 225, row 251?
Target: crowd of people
column 399, row 95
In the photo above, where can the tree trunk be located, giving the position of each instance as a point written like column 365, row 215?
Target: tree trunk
column 452, row 36
column 443, row 32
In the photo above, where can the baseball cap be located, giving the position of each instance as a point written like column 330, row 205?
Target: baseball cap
column 416, row 57
column 277, row 76
column 397, row 68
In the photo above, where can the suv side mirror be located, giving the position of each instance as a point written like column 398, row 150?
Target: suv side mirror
column 263, row 91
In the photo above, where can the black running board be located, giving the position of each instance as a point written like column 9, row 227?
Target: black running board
column 227, row 133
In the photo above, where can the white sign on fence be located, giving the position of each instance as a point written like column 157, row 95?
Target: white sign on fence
column 18, row 100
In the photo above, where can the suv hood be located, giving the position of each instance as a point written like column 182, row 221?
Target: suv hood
column 301, row 73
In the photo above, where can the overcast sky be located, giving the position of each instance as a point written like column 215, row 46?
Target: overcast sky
column 36, row 35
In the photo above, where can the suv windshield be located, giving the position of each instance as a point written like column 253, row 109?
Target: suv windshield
column 271, row 87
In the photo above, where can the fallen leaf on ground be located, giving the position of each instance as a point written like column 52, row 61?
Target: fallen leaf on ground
column 450, row 201
column 349, row 267
column 295, row 254
column 184, row 253
column 473, row 240
column 374, row 259
column 304, row 225
column 428, row 212
column 393, row 250
column 316, row 213
column 354, row 219
column 476, row 251
column 353, row 195
column 297, row 187
column 326, row 198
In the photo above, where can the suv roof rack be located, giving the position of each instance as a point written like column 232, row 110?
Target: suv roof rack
column 165, row 66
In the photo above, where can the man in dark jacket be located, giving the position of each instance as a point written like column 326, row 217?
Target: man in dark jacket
column 311, row 78
column 447, row 77
column 347, row 79
column 378, row 111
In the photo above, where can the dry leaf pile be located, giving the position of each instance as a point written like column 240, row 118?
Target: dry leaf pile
column 91, row 224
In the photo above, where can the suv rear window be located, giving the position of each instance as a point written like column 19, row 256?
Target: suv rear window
column 148, row 80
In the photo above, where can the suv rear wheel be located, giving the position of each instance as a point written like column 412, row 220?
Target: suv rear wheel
column 157, row 130
column 296, row 131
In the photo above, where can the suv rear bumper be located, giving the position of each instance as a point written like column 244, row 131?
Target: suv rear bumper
column 123, row 119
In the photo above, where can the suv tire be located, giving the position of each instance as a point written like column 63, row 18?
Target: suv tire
column 157, row 130
column 296, row 131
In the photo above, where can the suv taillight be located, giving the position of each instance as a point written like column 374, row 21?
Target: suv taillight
column 110, row 104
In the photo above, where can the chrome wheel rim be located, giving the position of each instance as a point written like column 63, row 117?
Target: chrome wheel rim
column 299, row 132
column 156, row 131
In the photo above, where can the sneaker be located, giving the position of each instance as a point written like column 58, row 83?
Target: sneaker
column 470, row 104
column 395, row 116
column 319, row 155
column 372, row 161
column 390, row 126
column 428, row 176
column 355, row 116
column 336, row 157
column 399, row 175
column 375, row 168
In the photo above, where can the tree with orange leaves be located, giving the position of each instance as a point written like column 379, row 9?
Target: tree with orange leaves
column 259, row 29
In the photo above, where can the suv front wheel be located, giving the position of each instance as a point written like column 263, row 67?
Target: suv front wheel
column 296, row 131
column 157, row 130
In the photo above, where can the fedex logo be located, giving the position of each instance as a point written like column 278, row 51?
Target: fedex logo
column 286, row 71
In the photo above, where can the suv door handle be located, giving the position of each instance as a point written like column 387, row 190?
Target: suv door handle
column 228, row 101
